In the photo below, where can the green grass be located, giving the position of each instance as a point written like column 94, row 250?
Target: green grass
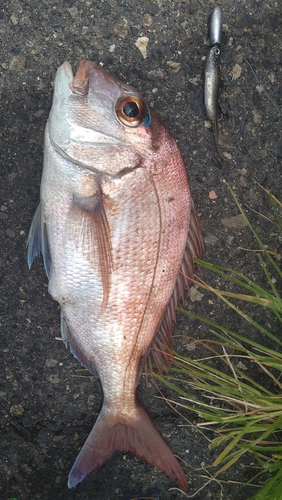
column 224, row 389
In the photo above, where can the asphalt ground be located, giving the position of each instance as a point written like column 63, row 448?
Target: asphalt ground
column 48, row 405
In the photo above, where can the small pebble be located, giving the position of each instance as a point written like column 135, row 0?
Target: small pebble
column 14, row 19
column 229, row 240
column 43, row 439
column 173, row 66
column 212, row 195
column 54, row 379
column 57, row 439
column 237, row 70
column 243, row 181
column 51, row 362
column 195, row 295
column 156, row 74
column 147, row 20
column 10, row 232
column 191, row 345
column 73, row 11
column 26, row 468
column 237, row 221
column 257, row 117
column 226, row 155
column 241, row 366
column 39, row 113
column 16, row 63
column 16, row 410
column 239, row 58
column 210, row 239
column 141, row 44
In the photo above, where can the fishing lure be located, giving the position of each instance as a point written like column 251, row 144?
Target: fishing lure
column 212, row 72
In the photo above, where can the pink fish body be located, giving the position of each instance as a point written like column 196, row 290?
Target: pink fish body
column 118, row 232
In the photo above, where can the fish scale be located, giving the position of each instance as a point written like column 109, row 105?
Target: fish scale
column 113, row 228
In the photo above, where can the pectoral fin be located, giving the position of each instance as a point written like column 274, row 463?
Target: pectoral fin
column 92, row 234
column 37, row 241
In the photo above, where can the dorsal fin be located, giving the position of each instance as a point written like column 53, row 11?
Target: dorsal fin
column 160, row 353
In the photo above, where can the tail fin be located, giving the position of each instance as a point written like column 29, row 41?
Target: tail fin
column 136, row 434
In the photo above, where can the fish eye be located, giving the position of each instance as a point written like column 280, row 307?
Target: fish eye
column 216, row 51
column 132, row 111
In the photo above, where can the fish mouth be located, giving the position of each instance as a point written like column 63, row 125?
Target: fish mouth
column 76, row 131
column 79, row 83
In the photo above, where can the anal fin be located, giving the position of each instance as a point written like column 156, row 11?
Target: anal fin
column 74, row 349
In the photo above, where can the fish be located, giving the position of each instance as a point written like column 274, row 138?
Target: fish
column 118, row 231
column 212, row 72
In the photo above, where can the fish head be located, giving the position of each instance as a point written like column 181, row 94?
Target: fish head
column 97, row 121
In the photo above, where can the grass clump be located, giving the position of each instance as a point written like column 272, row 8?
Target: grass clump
column 236, row 389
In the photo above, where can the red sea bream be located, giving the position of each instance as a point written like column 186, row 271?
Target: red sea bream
column 117, row 229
